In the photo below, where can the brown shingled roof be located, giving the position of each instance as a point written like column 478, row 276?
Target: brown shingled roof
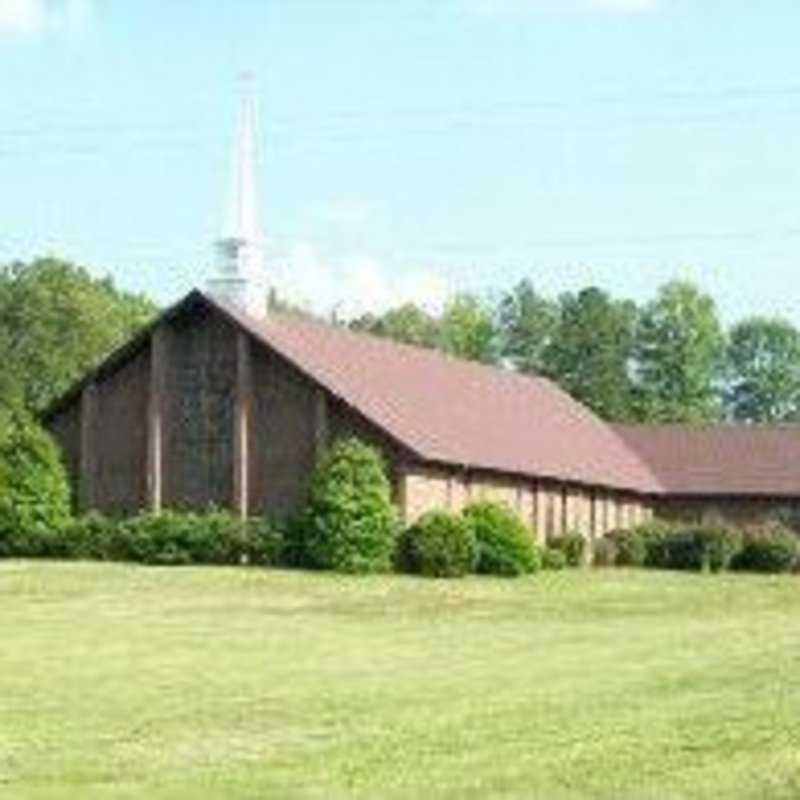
column 720, row 460
column 448, row 410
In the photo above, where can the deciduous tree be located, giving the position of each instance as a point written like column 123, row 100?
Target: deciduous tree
column 407, row 323
column 467, row 329
column 526, row 323
column 56, row 322
column 763, row 364
column 679, row 356
column 590, row 351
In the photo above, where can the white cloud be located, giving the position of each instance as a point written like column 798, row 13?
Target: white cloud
column 502, row 8
column 352, row 285
column 38, row 17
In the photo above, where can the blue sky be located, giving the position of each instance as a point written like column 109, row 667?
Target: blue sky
column 415, row 147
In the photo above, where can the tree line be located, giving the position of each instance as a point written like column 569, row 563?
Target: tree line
column 57, row 321
column 669, row 359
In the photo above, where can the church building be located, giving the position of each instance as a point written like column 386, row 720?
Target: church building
column 219, row 403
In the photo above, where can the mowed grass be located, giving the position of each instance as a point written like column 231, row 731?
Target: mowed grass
column 127, row 682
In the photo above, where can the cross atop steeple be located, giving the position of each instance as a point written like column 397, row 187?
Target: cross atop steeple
column 240, row 252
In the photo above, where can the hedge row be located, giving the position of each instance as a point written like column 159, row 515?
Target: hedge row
column 170, row 538
column 349, row 525
column 711, row 548
column 486, row 538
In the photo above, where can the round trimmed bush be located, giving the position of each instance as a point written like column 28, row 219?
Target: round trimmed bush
column 505, row 545
column 717, row 546
column 775, row 550
column 572, row 545
column 350, row 523
column 34, row 493
column 707, row 548
column 604, row 552
column 438, row 545
column 654, row 534
column 553, row 559
column 629, row 546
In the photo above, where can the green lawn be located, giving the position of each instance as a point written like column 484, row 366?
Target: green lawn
column 128, row 682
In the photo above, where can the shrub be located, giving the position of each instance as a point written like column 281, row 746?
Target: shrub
column 630, row 547
column 654, row 533
column 697, row 548
column 294, row 550
column 717, row 547
column 351, row 523
column 553, row 559
column 505, row 546
column 34, row 493
column 152, row 539
column 773, row 550
column 85, row 537
column 572, row 545
column 216, row 537
column 604, row 552
column 439, row 545
column 265, row 542
column 174, row 538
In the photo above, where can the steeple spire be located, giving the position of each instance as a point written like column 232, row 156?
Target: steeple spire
column 240, row 252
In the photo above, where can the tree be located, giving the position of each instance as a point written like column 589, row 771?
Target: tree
column 34, row 492
column 763, row 366
column 679, row 356
column 277, row 304
column 590, row 351
column 467, row 329
column 407, row 323
column 526, row 323
column 56, row 322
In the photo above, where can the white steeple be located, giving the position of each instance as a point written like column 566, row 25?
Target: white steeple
column 240, row 252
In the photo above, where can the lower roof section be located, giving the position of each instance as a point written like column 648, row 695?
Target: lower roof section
column 720, row 460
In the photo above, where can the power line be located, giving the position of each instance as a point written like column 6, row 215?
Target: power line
column 754, row 237
column 321, row 138
column 321, row 120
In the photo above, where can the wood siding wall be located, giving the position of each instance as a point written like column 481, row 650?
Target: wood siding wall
column 283, row 448
column 198, row 410
column 66, row 430
column 203, row 416
column 117, row 469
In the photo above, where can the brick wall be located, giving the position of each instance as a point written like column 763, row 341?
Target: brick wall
column 547, row 507
column 740, row 512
